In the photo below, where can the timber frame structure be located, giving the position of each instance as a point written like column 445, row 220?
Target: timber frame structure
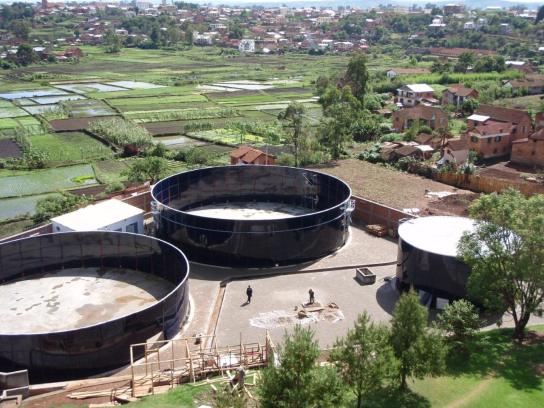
column 167, row 363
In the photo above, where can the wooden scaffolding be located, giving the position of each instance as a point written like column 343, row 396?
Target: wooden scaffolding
column 165, row 364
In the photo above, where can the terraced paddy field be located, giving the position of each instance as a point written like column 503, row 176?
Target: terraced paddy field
column 191, row 99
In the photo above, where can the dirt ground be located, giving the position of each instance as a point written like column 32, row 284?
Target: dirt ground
column 398, row 189
column 506, row 171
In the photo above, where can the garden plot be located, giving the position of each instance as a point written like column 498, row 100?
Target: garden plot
column 227, row 136
column 41, row 109
column 245, row 85
column 109, row 171
column 12, row 112
column 9, row 148
column 134, row 85
column 156, row 103
column 32, row 94
column 178, row 142
column 20, row 206
column 10, row 125
column 64, row 125
column 88, row 108
column 179, row 126
column 90, row 87
column 215, row 88
column 70, row 147
column 23, row 102
column 181, row 114
column 45, row 181
column 48, row 100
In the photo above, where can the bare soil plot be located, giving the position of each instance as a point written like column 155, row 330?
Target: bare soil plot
column 63, row 125
column 390, row 187
column 8, row 148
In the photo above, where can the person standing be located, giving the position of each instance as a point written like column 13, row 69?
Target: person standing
column 249, row 293
column 312, row 296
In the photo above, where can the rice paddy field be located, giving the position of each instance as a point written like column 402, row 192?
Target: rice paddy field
column 185, row 99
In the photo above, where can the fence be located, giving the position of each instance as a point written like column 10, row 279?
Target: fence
column 483, row 184
column 370, row 212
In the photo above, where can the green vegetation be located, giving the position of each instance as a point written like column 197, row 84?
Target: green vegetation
column 122, row 133
column 49, row 207
column 506, row 253
column 42, row 181
column 70, row 147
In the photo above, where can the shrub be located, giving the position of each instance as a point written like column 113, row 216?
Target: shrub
column 460, row 321
column 286, row 159
column 114, row 187
column 49, row 207
column 372, row 154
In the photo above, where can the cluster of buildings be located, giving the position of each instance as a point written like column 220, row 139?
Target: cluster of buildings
column 491, row 131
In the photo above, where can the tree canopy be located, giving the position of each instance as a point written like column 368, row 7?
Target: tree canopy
column 420, row 350
column 506, row 253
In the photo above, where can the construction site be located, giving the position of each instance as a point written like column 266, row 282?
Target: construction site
column 110, row 317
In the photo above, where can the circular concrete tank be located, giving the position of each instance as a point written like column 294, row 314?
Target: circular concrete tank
column 427, row 255
column 72, row 303
column 253, row 216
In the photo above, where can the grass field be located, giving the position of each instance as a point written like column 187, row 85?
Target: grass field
column 70, row 147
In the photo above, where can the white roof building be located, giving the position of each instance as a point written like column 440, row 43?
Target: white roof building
column 110, row 215
column 478, row 118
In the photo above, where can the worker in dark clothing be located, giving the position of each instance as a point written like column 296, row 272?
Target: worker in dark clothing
column 312, row 296
column 249, row 293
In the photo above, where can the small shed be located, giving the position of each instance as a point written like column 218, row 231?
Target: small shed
column 110, row 215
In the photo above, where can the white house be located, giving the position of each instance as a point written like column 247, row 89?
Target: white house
column 247, row 45
column 412, row 94
column 110, row 215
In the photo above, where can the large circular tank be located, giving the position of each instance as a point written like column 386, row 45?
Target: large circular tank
column 427, row 255
column 72, row 303
column 253, row 216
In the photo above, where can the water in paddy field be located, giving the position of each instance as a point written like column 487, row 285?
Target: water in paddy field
column 249, row 211
column 75, row 298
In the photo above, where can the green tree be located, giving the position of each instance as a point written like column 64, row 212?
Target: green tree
column 341, row 110
column 148, row 169
column 112, row 42
column 364, row 357
column 49, row 207
column 26, row 55
column 539, row 15
column 466, row 60
column 506, row 254
column 469, row 106
column 293, row 119
column 20, row 28
column 420, row 350
column 298, row 382
column 155, row 36
column 357, row 76
column 460, row 322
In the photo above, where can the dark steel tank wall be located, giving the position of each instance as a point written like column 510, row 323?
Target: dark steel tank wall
column 253, row 243
column 102, row 346
column 440, row 275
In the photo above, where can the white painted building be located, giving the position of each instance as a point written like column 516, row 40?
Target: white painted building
column 110, row 215
column 247, row 45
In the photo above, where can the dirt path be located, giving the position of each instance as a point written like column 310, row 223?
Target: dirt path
column 481, row 387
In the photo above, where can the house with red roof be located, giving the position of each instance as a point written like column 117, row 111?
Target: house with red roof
column 248, row 155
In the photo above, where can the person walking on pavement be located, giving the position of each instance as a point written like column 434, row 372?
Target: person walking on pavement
column 249, row 293
column 312, row 296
